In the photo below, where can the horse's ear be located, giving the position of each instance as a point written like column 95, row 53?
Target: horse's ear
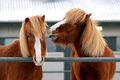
column 87, row 16
column 26, row 20
column 43, row 17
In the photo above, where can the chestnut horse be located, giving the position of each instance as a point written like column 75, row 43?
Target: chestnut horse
column 79, row 31
column 31, row 43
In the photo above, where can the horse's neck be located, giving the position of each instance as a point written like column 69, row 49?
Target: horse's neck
column 11, row 50
column 77, row 51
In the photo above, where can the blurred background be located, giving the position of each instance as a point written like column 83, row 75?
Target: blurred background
column 105, row 12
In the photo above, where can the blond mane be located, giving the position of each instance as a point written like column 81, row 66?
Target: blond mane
column 75, row 15
column 92, row 41
column 38, row 27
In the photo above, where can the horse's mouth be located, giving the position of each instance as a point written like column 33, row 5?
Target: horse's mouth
column 38, row 63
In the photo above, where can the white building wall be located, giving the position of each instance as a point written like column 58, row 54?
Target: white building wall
column 54, row 66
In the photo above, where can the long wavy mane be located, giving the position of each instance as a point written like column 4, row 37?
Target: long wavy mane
column 91, row 40
column 38, row 27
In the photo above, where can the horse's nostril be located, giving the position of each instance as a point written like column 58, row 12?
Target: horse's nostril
column 53, row 37
column 38, row 63
column 35, row 59
column 50, row 36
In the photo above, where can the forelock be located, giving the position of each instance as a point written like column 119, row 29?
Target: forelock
column 75, row 15
column 38, row 26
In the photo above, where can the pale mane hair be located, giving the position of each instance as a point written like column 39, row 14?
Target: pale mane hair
column 92, row 41
column 38, row 27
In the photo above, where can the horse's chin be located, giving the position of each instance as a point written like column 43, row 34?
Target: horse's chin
column 61, row 44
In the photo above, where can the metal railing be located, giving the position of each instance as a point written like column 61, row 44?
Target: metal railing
column 64, row 59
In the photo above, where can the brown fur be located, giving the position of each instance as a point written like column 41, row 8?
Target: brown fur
column 23, row 70
column 80, row 31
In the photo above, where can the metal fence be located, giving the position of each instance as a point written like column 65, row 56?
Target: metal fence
column 64, row 59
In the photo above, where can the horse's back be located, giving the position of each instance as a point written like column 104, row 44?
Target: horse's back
column 10, row 50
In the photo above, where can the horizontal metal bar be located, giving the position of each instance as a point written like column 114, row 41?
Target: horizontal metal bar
column 64, row 59
column 15, row 59
column 66, row 71
column 84, row 59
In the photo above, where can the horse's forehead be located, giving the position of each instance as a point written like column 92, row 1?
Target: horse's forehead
column 55, row 26
column 28, row 27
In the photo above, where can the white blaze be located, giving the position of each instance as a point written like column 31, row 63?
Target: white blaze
column 37, row 47
column 55, row 26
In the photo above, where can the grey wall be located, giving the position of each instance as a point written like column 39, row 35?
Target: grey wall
column 112, row 29
column 8, row 29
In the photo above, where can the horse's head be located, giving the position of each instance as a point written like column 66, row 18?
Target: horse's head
column 32, row 38
column 70, row 28
column 79, row 29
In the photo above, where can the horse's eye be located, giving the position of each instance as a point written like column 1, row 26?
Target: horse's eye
column 57, row 30
column 28, row 36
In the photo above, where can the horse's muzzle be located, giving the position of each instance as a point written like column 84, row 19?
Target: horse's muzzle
column 38, row 63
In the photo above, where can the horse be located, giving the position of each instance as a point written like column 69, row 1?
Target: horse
column 78, row 31
column 31, row 43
